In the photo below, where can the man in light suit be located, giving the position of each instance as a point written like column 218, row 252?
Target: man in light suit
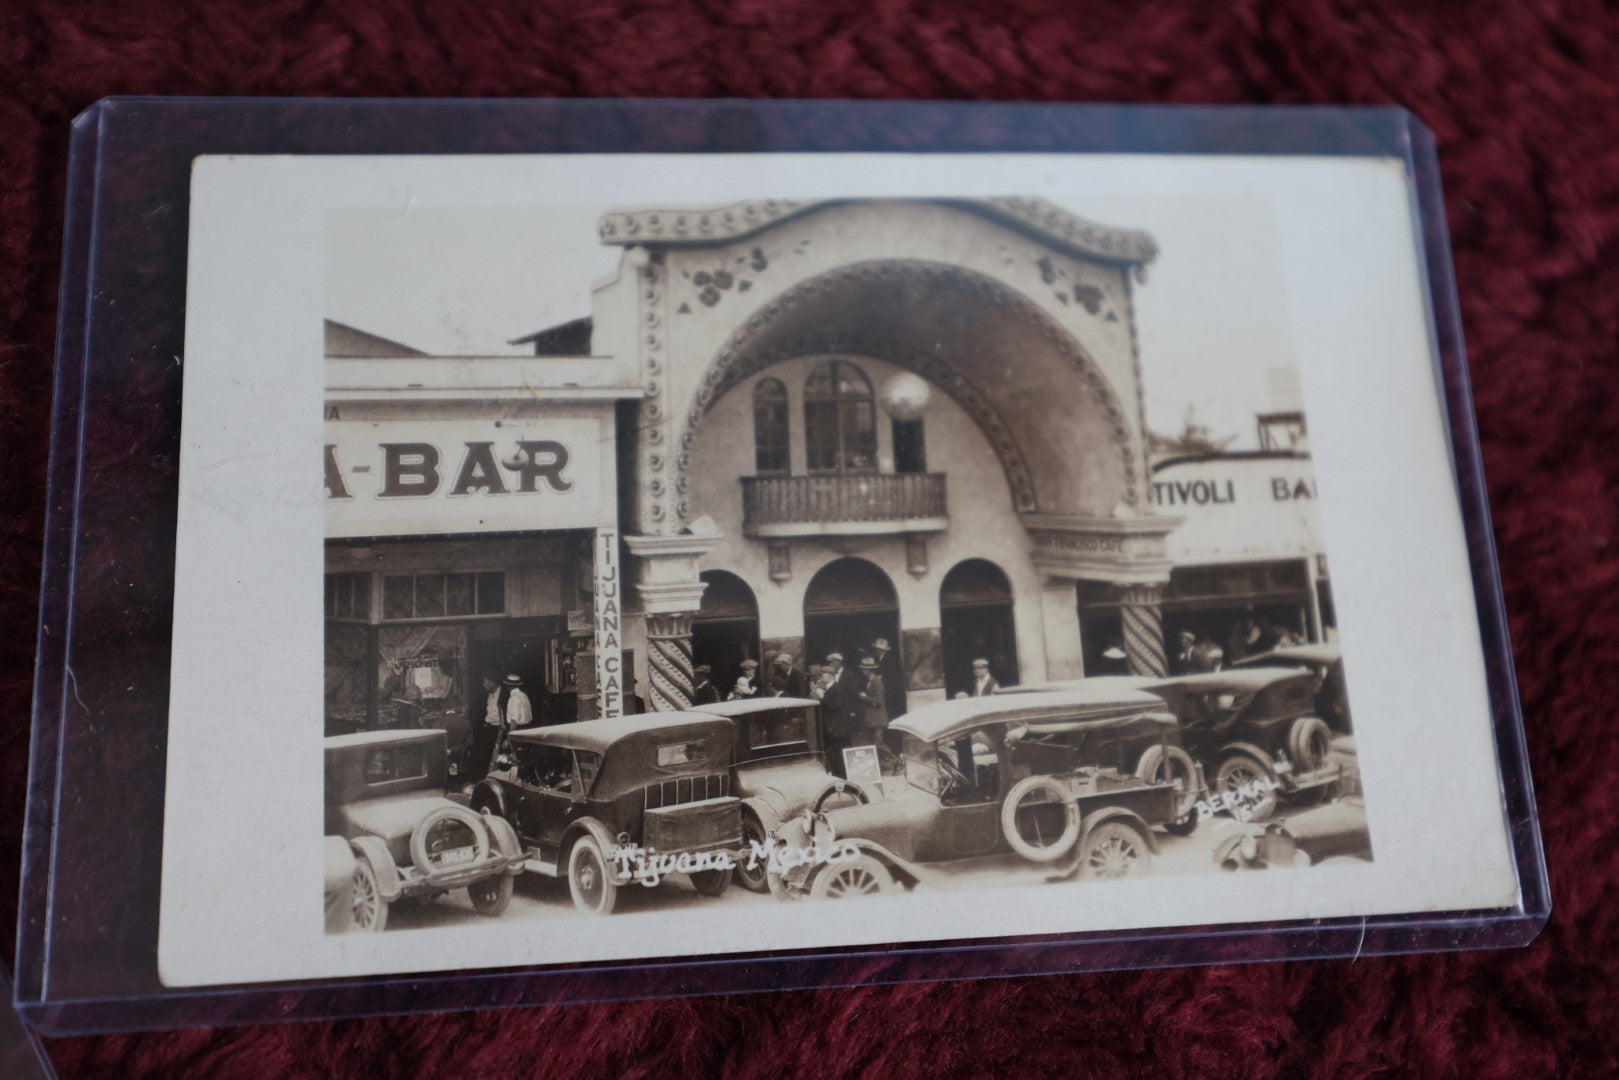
column 984, row 683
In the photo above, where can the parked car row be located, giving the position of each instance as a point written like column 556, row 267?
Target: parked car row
column 1066, row 780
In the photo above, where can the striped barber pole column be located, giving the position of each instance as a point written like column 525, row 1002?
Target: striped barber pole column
column 1143, row 629
column 669, row 661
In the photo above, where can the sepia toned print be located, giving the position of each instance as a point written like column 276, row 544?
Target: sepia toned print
column 835, row 552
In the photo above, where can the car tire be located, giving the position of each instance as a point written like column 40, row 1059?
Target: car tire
column 841, row 789
column 851, row 879
column 756, row 880
column 1113, row 850
column 590, row 878
column 1014, row 836
column 419, row 853
column 710, row 882
column 1308, row 743
column 1182, row 771
column 491, row 895
column 370, row 909
column 1236, row 771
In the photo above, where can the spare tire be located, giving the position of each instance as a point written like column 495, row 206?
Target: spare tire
column 1176, row 767
column 431, row 833
column 1308, row 743
column 1054, row 792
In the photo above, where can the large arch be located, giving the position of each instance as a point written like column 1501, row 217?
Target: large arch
column 942, row 322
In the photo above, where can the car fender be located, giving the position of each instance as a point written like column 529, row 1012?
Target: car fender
column 504, row 842
column 587, row 826
column 1252, row 751
column 905, row 872
column 382, row 864
column 764, row 812
column 1117, row 813
column 490, row 794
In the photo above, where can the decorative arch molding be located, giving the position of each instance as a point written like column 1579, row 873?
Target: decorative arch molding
column 742, row 356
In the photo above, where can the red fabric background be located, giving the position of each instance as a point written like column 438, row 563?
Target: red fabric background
column 1523, row 98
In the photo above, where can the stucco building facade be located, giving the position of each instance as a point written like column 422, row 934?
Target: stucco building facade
column 915, row 420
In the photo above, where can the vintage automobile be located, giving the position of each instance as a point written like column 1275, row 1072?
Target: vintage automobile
column 993, row 777
column 1327, row 662
column 385, row 797
column 778, row 769
column 1141, row 746
column 1256, row 729
column 1334, row 832
column 585, row 799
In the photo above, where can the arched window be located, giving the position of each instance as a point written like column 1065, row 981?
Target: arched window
column 840, row 419
column 769, row 427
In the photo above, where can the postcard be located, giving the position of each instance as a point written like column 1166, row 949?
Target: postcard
column 1000, row 545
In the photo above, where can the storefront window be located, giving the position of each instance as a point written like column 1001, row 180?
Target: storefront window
column 348, row 596
column 770, row 427
column 421, row 674
column 346, row 667
column 840, row 419
column 438, row 596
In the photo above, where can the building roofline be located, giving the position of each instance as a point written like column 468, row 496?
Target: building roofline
column 701, row 226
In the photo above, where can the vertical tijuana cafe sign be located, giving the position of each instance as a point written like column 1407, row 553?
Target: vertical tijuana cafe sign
column 400, row 477
column 609, row 626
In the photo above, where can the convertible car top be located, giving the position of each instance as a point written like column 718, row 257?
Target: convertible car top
column 1090, row 704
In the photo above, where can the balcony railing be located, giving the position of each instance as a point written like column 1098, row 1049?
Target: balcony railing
column 844, row 504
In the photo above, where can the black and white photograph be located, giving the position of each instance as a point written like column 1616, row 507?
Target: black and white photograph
column 886, row 482
column 697, row 548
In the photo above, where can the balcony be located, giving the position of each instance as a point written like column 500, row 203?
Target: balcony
column 866, row 504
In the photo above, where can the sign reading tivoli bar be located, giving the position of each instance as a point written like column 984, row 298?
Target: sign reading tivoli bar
column 609, row 626
column 408, row 476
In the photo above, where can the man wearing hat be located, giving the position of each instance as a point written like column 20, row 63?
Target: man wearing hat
column 785, row 679
column 839, row 703
column 873, row 701
column 893, row 679
column 519, row 711
column 515, row 711
column 748, row 684
column 984, row 683
column 705, row 692
column 1184, row 659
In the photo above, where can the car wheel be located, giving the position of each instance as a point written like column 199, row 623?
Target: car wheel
column 758, row 878
column 710, row 882
column 1175, row 767
column 491, row 895
column 1115, row 850
column 1243, row 771
column 863, row 876
column 370, row 909
column 1036, row 808
column 590, row 878
column 1308, row 742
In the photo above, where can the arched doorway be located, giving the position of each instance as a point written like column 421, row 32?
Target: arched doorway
column 725, row 631
column 849, row 604
column 975, row 615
